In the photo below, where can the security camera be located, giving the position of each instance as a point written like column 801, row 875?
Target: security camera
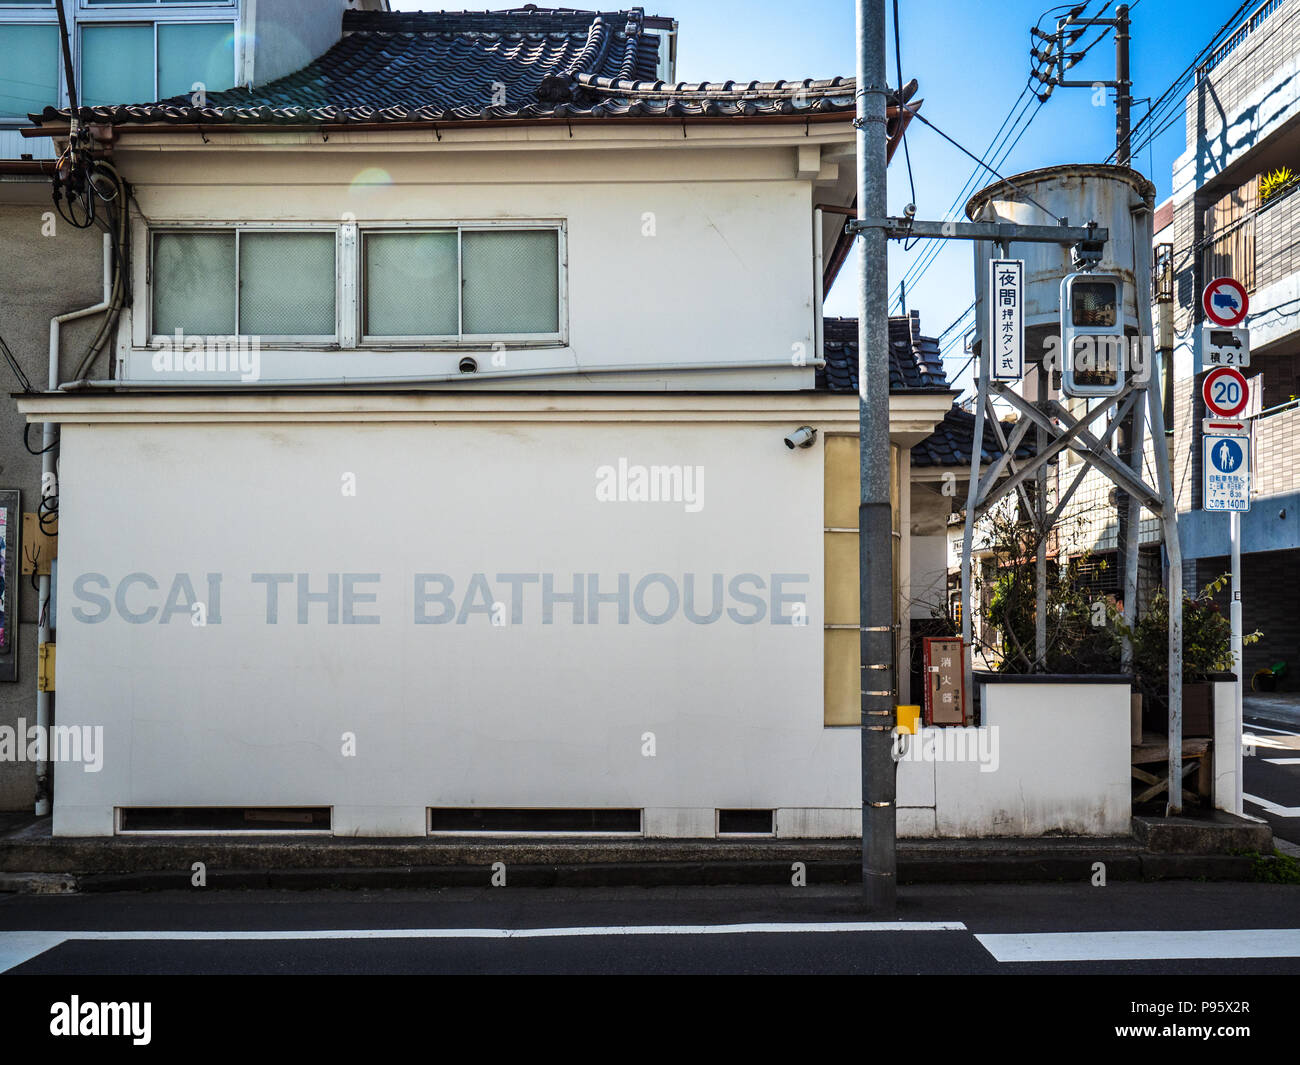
column 804, row 436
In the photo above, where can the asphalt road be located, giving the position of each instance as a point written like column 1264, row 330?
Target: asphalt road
column 1271, row 775
column 1163, row 928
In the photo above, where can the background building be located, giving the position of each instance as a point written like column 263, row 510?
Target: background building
column 1235, row 212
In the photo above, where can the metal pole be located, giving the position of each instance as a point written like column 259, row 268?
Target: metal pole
column 1123, row 96
column 1234, row 531
column 1128, row 514
column 981, row 382
column 1040, row 562
column 1136, row 425
column 1169, row 524
column 66, row 48
column 875, row 523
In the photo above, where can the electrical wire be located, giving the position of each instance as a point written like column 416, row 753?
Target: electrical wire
column 1168, row 105
column 898, row 66
column 987, row 167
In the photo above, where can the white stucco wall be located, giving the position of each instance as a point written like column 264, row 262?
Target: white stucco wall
column 289, row 34
column 249, row 713
column 242, row 712
column 678, row 253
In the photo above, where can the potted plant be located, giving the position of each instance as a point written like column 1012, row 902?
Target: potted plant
column 1207, row 650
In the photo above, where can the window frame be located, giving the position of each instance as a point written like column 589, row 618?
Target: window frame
column 269, row 340
column 37, row 16
column 125, row 12
column 87, row 7
column 349, row 285
column 122, row 21
column 462, row 340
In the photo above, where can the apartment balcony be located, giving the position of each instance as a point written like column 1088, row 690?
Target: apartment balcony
column 1277, row 451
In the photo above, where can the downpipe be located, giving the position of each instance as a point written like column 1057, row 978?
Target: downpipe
column 49, row 486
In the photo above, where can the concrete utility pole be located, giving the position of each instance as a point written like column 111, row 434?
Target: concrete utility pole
column 1123, row 87
column 875, row 522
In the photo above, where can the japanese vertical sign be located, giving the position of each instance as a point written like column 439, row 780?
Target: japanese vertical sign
column 945, row 681
column 1007, row 319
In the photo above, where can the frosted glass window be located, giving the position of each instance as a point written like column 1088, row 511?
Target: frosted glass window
column 195, row 52
column 286, row 284
column 116, row 65
column 194, row 283
column 411, row 284
column 511, row 281
column 29, row 71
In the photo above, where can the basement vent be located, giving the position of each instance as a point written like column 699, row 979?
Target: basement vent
column 746, row 823
column 477, row 819
column 193, row 819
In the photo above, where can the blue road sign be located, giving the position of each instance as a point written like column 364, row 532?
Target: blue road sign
column 1227, row 473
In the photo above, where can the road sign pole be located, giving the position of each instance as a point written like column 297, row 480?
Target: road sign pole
column 1234, row 613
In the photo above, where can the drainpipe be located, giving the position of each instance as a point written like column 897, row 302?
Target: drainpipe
column 44, row 793
column 819, row 296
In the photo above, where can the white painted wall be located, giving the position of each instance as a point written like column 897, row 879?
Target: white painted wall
column 289, row 34
column 1062, row 765
column 243, row 712
column 677, row 256
column 532, row 714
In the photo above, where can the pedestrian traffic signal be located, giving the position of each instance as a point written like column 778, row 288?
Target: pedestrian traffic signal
column 1093, row 346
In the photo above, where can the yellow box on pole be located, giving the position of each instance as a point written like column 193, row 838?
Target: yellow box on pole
column 909, row 719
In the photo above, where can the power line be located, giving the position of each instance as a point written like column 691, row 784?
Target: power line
column 998, row 149
column 898, row 60
column 987, row 167
column 1167, row 107
column 922, row 264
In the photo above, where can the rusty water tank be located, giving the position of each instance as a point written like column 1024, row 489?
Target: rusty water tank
column 1116, row 198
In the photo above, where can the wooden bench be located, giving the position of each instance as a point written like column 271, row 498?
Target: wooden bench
column 1197, row 758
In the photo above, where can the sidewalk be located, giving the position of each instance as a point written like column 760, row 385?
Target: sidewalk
column 31, row 859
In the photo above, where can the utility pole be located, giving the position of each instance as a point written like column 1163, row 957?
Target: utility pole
column 1123, row 87
column 875, row 521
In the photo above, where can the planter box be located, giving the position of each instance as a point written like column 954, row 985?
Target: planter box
column 1198, row 711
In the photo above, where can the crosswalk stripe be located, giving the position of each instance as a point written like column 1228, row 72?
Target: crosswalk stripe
column 1271, row 807
column 1138, row 946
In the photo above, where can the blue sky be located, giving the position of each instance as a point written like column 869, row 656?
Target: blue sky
column 971, row 58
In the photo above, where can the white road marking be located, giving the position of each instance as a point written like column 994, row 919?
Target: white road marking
column 1138, row 946
column 1282, row 761
column 1265, row 728
column 18, row 947
column 1272, row 807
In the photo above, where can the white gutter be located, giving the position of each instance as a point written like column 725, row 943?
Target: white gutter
column 49, row 486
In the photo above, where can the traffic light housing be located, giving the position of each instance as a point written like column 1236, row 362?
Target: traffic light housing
column 1093, row 345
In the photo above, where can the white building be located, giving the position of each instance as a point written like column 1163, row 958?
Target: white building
column 439, row 480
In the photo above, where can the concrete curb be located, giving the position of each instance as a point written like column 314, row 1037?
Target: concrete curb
column 1003, row 869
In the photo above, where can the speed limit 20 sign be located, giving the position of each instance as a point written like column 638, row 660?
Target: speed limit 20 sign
column 1225, row 392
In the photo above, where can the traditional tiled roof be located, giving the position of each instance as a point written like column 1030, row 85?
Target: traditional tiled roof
column 953, row 438
column 914, row 366
column 914, row 362
column 528, row 63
